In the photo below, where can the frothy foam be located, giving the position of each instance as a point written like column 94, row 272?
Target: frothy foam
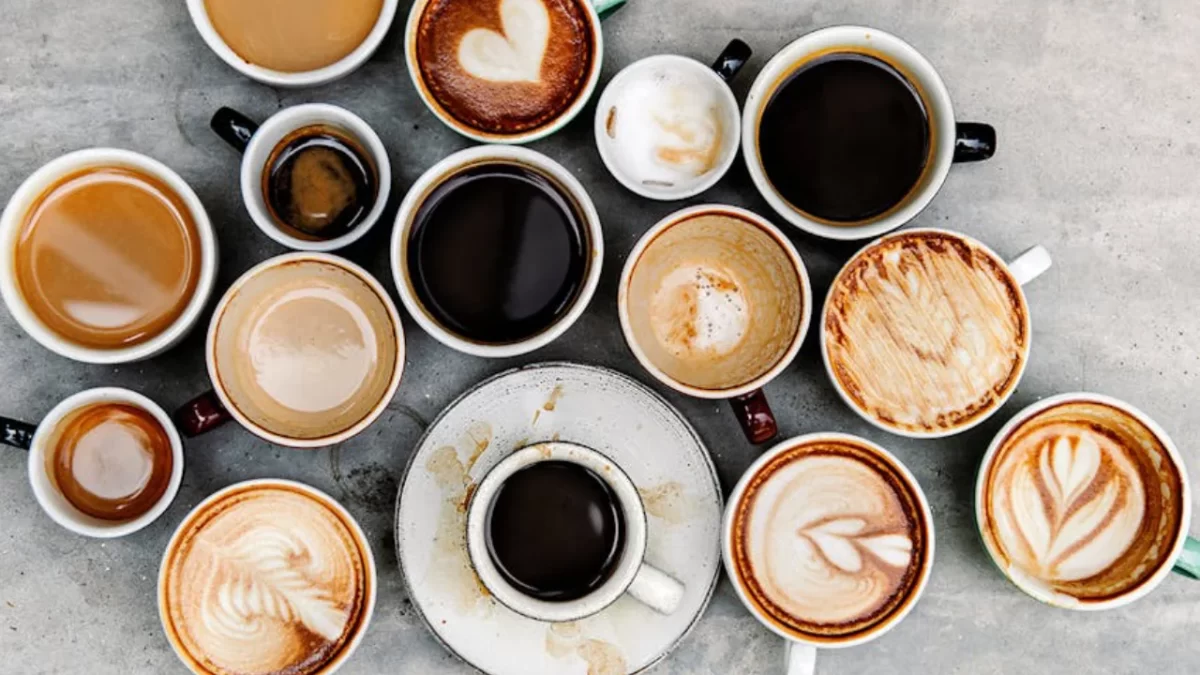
column 513, row 55
column 700, row 311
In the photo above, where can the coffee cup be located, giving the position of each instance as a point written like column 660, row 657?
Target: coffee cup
column 849, row 133
column 715, row 302
column 314, row 177
column 285, row 44
column 103, row 463
column 267, row 576
column 667, row 126
column 926, row 333
column 828, row 541
column 497, row 251
column 1083, row 502
column 108, row 256
column 557, row 532
column 304, row 350
column 512, row 80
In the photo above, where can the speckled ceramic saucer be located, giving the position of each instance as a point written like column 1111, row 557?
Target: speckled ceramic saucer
column 601, row 409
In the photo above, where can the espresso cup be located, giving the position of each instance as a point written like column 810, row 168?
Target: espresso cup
column 124, row 298
column 520, row 527
column 667, row 126
column 267, row 576
column 304, row 350
column 926, row 333
column 497, row 251
column 715, row 302
column 878, row 107
column 509, row 81
column 828, row 541
column 278, row 44
column 1083, row 502
column 122, row 469
column 359, row 190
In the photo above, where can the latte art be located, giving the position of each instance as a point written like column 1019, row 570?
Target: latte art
column 514, row 56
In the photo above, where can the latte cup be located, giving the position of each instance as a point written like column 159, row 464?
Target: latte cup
column 631, row 574
column 39, row 438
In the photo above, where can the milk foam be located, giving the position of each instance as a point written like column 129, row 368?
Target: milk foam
column 700, row 311
column 514, row 55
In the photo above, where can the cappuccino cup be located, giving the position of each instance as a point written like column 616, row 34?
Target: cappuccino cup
column 1083, row 502
column 557, row 532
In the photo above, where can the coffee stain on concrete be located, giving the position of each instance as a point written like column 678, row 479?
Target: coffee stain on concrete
column 669, row 502
column 564, row 640
column 450, row 564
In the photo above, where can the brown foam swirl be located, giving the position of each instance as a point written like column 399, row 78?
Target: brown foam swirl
column 926, row 332
column 265, row 580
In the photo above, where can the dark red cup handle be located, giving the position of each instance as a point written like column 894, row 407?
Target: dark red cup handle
column 201, row 415
column 754, row 413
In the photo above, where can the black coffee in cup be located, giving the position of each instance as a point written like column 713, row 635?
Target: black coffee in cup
column 320, row 182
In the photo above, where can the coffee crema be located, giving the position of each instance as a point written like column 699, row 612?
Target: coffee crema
column 293, row 36
column 829, row 541
column 267, row 579
column 926, row 332
column 1082, row 501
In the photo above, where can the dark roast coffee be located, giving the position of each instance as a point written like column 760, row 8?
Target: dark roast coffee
column 320, row 182
column 845, row 138
column 555, row 530
column 497, row 253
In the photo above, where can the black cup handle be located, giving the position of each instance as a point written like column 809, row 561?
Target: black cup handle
column 974, row 142
column 233, row 127
column 731, row 60
column 16, row 433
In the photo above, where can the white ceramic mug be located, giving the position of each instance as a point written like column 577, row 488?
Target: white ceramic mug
column 949, row 141
column 258, row 143
column 649, row 585
column 36, row 439
column 35, row 186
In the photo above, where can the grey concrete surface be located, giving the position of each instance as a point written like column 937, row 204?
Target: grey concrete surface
column 1097, row 104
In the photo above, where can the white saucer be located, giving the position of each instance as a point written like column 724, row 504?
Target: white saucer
column 608, row 412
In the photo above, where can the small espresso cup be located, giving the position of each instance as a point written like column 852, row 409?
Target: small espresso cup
column 96, row 262
column 41, row 438
column 947, row 141
column 1083, row 502
column 629, row 573
column 260, row 146
column 715, row 303
column 667, row 126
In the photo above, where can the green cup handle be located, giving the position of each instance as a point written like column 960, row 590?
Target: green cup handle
column 605, row 8
column 1188, row 562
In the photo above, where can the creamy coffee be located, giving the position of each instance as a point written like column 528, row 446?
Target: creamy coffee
column 830, row 541
column 266, row 579
column 1082, row 500
column 926, row 332
column 504, row 66
column 293, row 36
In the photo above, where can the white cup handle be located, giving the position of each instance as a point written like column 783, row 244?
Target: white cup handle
column 801, row 659
column 656, row 589
column 1030, row 265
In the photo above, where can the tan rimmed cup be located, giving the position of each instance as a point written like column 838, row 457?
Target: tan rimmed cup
column 715, row 303
column 304, row 350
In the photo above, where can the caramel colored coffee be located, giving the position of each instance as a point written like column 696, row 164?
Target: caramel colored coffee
column 112, row 461
column 504, row 66
column 108, row 257
column 293, row 36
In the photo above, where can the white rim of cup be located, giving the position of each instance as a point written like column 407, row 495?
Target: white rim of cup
column 311, row 78
column 735, row 497
column 805, row 297
column 481, row 155
column 928, row 81
column 1061, row 600
column 210, row 347
column 35, row 186
column 414, row 72
column 979, row 419
column 267, row 138
column 601, row 124
column 51, row 500
column 351, row 523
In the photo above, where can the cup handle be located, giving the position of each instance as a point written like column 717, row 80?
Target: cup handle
column 731, row 60
column 1030, row 265
column 1188, row 562
column 201, row 414
column 974, row 142
column 606, row 8
column 233, row 127
column 656, row 589
column 16, row 433
column 755, row 416
column 801, row 659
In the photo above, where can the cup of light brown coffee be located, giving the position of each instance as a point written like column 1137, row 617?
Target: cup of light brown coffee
column 106, row 256
column 304, row 350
